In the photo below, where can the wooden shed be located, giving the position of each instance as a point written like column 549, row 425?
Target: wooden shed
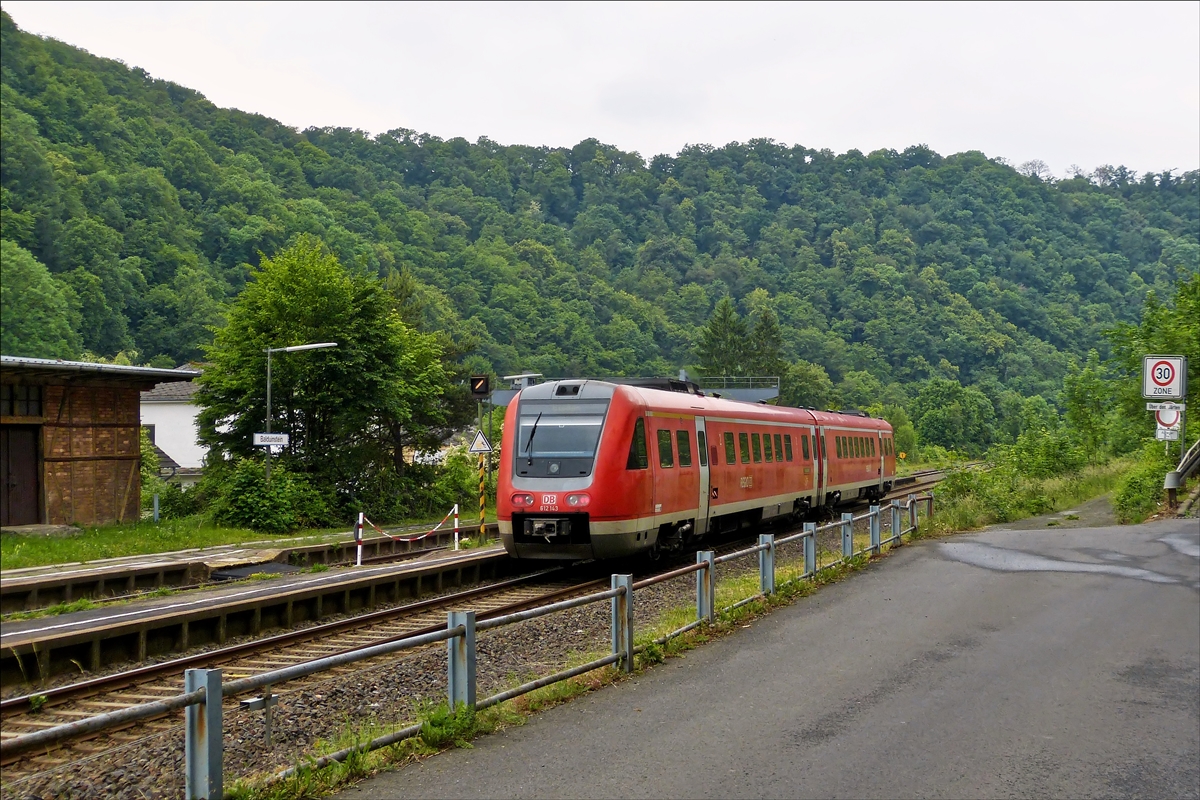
column 70, row 440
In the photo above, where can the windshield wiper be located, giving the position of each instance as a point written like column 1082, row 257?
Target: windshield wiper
column 529, row 444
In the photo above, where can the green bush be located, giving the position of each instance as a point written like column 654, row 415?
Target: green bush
column 289, row 502
column 1141, row 490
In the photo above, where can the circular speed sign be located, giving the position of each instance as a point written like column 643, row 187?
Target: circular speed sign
column 1162, row 373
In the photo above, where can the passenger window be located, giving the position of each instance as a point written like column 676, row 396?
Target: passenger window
column 779, row 448
column 702, row 448
column 857, row 447
column 637, row 448
column 767, row 452
column 730, row 455
column 872, row 441
column 757, row 448
column 837, row 443
column 685, row 448
column 804, row 445
column 665, row 456
column 744, row 443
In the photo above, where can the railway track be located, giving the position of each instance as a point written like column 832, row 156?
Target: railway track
column 29, row 713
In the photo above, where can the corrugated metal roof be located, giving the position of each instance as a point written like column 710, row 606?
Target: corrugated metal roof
column 46, row 365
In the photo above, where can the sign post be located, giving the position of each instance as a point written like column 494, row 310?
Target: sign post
column 1164, row 379
column 481, row 447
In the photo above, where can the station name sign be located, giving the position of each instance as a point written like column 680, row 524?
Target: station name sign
column 265, row 439
column 1164, row 377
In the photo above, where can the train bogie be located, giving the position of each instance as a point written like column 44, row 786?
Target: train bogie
column 598, row 470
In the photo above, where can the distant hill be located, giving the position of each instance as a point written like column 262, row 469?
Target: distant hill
column 145, row 202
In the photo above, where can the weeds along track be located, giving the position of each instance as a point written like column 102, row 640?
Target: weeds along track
column 30, row 713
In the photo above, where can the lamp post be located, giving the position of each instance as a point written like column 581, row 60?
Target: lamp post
column 292, row 349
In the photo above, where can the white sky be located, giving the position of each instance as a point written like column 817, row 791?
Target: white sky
column 1076, row 83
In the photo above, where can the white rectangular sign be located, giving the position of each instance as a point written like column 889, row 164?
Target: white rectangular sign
column 261, row 439
column 1165, row 406
column 1164, row 377
column 1167, row 434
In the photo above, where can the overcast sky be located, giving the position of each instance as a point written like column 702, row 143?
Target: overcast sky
column 1079, row 83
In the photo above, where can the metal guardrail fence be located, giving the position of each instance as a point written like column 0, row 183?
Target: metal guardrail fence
column 756, row 382
column 204, row 689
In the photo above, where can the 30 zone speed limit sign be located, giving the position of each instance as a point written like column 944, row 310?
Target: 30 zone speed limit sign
column 1164, row 377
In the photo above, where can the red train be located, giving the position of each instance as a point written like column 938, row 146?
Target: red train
column 592, row 469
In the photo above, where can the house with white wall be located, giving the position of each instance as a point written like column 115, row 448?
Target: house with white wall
column 170, row 416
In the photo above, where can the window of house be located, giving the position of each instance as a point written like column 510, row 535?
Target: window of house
column 665, row 457
column 17, row 400
column 685, row 448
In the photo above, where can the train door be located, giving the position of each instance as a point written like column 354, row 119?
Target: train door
column 879, row 458
column 702, row 455
column 820, row 466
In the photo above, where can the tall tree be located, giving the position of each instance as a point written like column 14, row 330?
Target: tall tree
column 350, row 410
column 723, row 342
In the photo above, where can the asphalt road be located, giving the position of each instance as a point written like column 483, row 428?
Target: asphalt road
column 1030, row 663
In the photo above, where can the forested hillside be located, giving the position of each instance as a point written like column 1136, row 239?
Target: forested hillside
column 138, row 208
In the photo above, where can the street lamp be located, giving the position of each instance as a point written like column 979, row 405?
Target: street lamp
column 292, row 349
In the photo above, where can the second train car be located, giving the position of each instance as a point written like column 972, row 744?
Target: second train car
column 593, row 469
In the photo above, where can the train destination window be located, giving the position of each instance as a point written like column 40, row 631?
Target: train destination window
column 730, row 455
column 768, row 454
column 757, row 448
column 665, row 457
column 685, row 448
column 637, row 448
column 702, row 448
column 779, row 448
column 744, row 445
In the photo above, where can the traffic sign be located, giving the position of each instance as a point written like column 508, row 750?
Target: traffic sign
column 480, row 444
column 1164, row 377
column 479, row 385
column 1168, row 406
column 1168, row 418
column 1167, row 435
column 265, row 439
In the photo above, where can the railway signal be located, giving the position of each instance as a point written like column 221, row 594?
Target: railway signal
column 480, row 386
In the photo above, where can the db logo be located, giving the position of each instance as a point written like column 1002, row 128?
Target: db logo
column 549, row 499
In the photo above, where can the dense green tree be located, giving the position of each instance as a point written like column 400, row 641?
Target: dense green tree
column 1086, row 399
column 36, row 312
column 954, row 416
column 724, row 343
column 350, row 410
column 806, row 385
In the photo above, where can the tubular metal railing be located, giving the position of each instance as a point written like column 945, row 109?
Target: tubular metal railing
column 204, row 689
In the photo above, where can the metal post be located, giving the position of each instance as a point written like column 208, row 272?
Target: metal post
column 456, row 527
column 810, row 548
column 268, row 414
column 460, row 679
column 912, row 512
column 706, row 586
column 847, row 534
column 622, row 621
column 896, row 530
column 766, row 563
column 875, row 526
column 931, row 503
column 481, row 495
column 358, row 537
column 203, row 756
column 156, row 506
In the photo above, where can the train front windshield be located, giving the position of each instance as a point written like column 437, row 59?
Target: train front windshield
column 556, row 439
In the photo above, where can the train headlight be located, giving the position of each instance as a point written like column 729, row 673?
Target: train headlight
column 522, row 500
column 578, row 500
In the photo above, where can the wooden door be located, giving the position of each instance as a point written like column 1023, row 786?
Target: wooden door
column 18, row 475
